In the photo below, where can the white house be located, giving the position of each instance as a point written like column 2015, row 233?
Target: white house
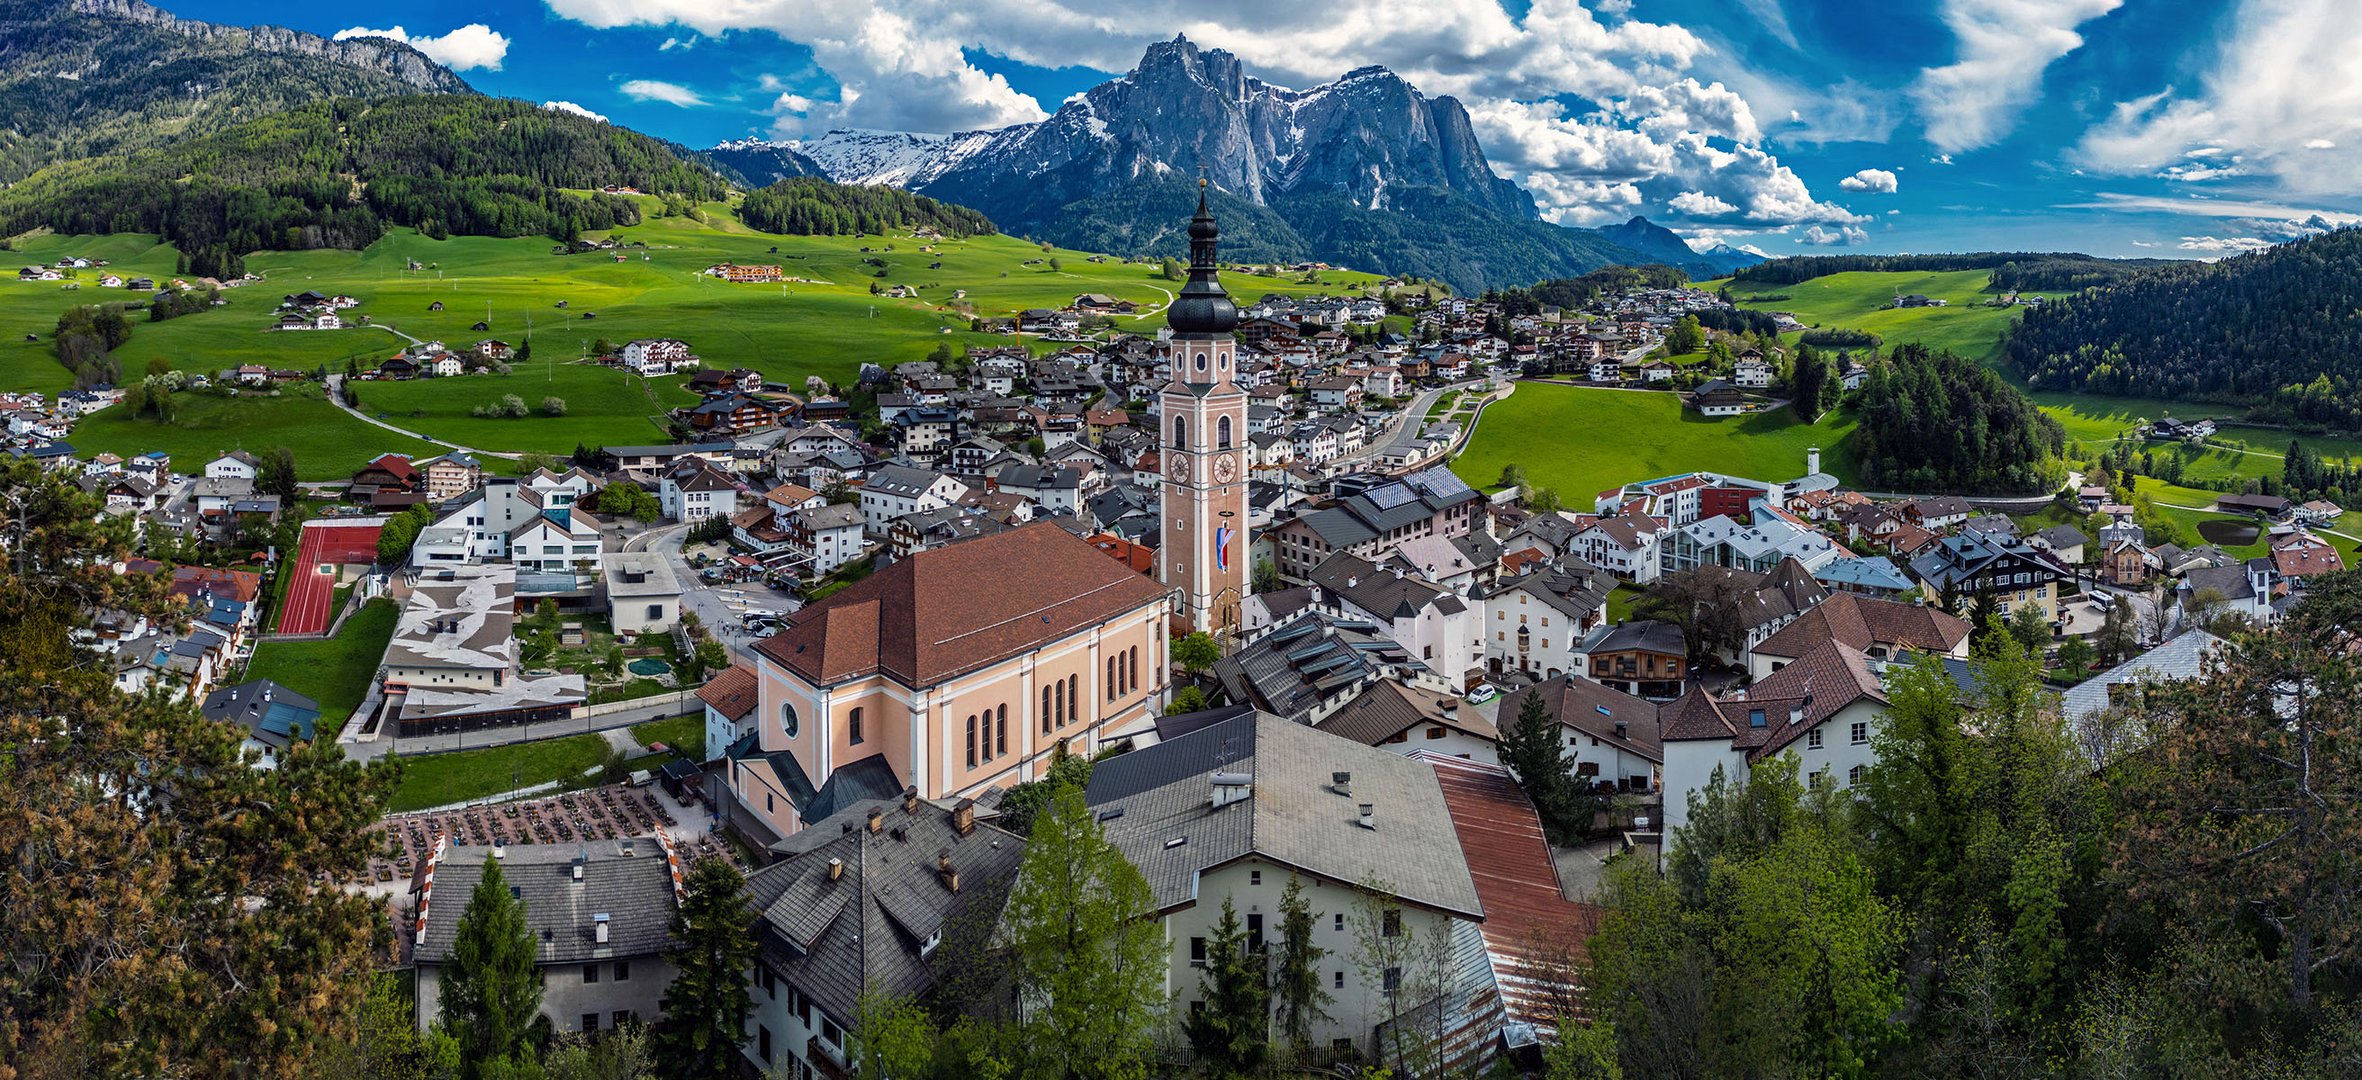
column 235, row 465
column 1439, row 628
column 1822, row 709
column 1623, row 544
column 655, row 356
column 893, row 491
column 1611, row 736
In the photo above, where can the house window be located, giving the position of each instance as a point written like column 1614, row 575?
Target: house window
column 620, row 1017
column 1393, row 979
column 1435, row 733
column 1255, row 933
column 1045, row 710
column 590, row 974
column 1001, row 730
column 787, row 719
column 623, row 971
column 1861, row 732
column 1254, row 877
column 1755, row 718
column 1222, row 433
column 853, row 726
column 1132, row 666
column 1180, row 433
column 655, row 612
column 1197, row 952
column 763, row 1043
column 1340, row 922
column 590, row 1021
column 1074, row 695
column 1339, row 983
column 1390, row 925
column 1812, row 739
column 1854, row 775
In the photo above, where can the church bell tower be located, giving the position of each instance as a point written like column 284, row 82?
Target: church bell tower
column 1204, row 439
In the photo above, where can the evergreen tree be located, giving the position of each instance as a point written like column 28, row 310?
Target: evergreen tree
column 1231, row 1032
column 1090, row 958
column 714, row 949
column 491, row 994
column 1296, row 986
column 1809, row 386
column 1534, row 750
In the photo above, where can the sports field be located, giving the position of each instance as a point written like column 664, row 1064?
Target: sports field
column 311, row 593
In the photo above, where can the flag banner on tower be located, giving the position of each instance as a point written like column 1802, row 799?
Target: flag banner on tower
column 1222, row 548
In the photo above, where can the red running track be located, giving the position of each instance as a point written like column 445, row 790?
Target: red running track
column 312, row 595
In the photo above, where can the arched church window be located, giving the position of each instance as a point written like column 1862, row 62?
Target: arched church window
column 1180, row 433
column 1222, row 433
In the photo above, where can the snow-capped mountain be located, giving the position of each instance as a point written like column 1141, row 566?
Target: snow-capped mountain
column 894, row 158
column 764, row 162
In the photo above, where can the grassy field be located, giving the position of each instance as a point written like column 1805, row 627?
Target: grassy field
column 683, row 733
column 828, row 325
column 329, row 443
column 441, row 779
column 1861, row 301
column 603, row 405
column 2171, row 500
column 335, row 672
column 1579, row 441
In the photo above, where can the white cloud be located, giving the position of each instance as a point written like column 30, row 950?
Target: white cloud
column 1875, row 181
column 2289, row 219
column 1599, row 115
column 466, row 49
column 1940, row 159
column 2004, row 47
column 681, row 43
column 570, row 107
column 1818, row 236
column 1774, row 19
column 2223, row 245
column 2283, row 94
column 659, row 90
column 1700, row 204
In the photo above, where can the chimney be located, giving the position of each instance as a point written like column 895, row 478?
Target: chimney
column 1352, row 580
column 836, row 869
column 944, row 871
column 1369, row 816
column 910, row 799
column 1342, row 782
column 876, row 818
column 599, row 927
column 963, row 816
column 1812, row 462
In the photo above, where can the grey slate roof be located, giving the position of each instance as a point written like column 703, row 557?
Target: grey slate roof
column 1308, row 659
column 870, row 926
column 635, row 891
column 2182, row 658
column 1388, row 594
column 1292, row 814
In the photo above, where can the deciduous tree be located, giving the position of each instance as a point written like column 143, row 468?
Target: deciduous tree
column 1089, row 957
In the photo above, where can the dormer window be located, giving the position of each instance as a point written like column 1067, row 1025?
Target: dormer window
column 1755, row 718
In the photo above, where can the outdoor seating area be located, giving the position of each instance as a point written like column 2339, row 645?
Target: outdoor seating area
column 604, row 813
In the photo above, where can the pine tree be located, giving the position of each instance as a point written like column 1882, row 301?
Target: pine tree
column 490, row 993
column 1535, row 753
column 707, row 1003
column 1231, row 1033
column 1296, row 990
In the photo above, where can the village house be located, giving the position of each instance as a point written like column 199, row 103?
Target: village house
column 655, row 356
column 599, row 913
column 1645, row 658
column 1822, row 708
column 1611, row 737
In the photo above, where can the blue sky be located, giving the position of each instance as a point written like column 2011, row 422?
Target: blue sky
column 2118, row 127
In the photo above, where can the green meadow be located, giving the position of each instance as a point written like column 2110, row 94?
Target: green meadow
column 826, row 325
column 1579, row 441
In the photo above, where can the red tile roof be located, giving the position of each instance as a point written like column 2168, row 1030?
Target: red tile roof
column 956, row 609
column 1821, row 683
column 734, row 693
column 1533, row 934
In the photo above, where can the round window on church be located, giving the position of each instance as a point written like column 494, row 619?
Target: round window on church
column 787, row 719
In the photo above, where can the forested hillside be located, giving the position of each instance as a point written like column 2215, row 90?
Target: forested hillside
column 2280, row 330
column 339, row 173
column 811, row 206
column 2012, row 270
column 84, row 77
column 1933, row 421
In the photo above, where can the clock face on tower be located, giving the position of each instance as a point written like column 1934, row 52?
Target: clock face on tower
column 1178, row 469
column 1225, row 469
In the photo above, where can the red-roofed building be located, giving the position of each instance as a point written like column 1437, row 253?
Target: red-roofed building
column 389, row 472
column 731, row 700
column 1534, row 935
column 2302, row 555
column 955, row 670
column 1140, row 557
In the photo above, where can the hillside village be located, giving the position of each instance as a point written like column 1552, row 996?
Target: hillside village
column 845, row 592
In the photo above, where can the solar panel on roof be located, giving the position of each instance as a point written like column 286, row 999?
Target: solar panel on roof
column 1282, row 637
column 1309, row 651
column 1391, row 496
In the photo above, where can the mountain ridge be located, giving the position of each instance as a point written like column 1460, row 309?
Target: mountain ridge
column 1364, row 170
column 80, row 78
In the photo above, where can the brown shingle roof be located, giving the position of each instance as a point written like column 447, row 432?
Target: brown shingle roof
column 955, row 609
column 1390, row 708
column 1593, row 709
column 1859, row 622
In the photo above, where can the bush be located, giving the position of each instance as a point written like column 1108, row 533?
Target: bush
column 553, row 406
column 509, row 407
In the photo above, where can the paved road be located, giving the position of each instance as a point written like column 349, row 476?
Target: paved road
column 719, row 607
column 336, row 396
column 1405, row 426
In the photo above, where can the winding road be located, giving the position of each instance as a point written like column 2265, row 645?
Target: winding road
column 336, row 397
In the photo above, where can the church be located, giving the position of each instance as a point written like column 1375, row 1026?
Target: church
column 1203, row 555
